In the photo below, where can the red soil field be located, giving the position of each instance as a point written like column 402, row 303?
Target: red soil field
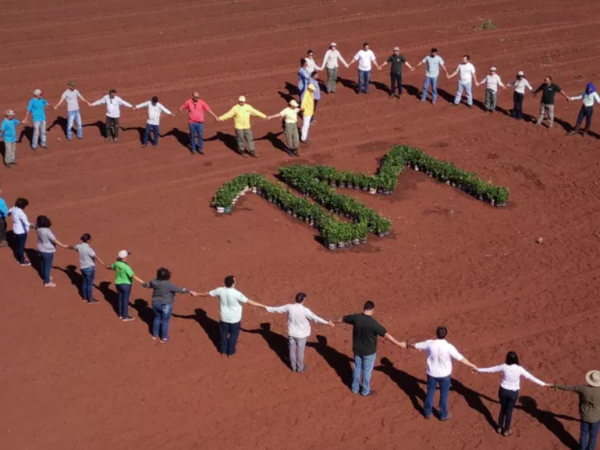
column 74, row 377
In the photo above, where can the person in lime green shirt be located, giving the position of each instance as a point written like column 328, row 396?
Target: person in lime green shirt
column 123, row 281
column 241, row 121
column 308, row 110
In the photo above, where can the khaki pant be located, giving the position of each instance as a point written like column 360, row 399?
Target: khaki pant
column 291, row 136
column 491, row 98
column 9, row 152
column 331, row 79
column 549, row 109
column 244, row 137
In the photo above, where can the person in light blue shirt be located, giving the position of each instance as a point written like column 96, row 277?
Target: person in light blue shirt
column 303, row 78
column 8, row 130
column 36, row 108
column 3, row 216
column 434, row 62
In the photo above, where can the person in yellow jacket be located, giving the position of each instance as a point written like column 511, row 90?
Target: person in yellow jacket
column 308, row 110
column 241, row 119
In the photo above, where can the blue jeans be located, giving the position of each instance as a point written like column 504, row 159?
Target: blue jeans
column 229, row 336
column 74, row 116
column 20, row 240
column 363, row 367
column 196, row 129
column 589, row 433
column 46, row 265
column 154, row 129
column 88, row 283
column 464, row 87
column 432, row 383
column 162, row 316
column 124, row 291
column 363, row 81
column 433, row 82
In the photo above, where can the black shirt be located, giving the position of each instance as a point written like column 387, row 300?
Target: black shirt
column 548, row 93
column 364, row 335
column 397, row 63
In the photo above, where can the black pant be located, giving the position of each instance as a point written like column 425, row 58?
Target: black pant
column 112, row 127
column 585, row 112
column 396, row 79
column 518, row 105
column 2, row 229
column 508, row 399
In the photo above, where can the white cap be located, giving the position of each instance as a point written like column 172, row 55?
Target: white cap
column 242, row 99
column 294, row 103
column 520, row 73
column 123, row 254
column 396, row 49
column 333, row 44
column 493, row 69
column 10, row 112
column 37, row 92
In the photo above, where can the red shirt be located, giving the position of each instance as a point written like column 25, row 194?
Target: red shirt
column 195, row 110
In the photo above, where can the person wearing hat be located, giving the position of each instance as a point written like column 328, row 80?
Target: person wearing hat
column 549, row 90
column 152, row 123
column 308, row 110
column 365, row 58
column 589, row 97
column 314, row 81
column 195, row 108
column 3, row 224
column 241, row 122
column 36, row 108
column 113, row 113
column 8, row 130
column 72, row 96
column 466, row 74
column 331, row 65
column 492, row 81
column 123, row 281
column 397, row 61
column 290, row 126
column 589, row 408
column 520, row 84
column 433, row 63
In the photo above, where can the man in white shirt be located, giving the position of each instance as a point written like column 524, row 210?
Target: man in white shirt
column 365, row 58
column 466, row 73
column 153, row 122
column 439, row 369
column 231, row 301
column 299, row 317
column 330, row 62
column 492, row 81
column 433, row 61
column 71, row 95
column 113, row 113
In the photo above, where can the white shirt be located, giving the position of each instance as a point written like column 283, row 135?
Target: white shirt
column 520, row 85
column 588, row 99
column 492, row 82
column 433, row 65
column 71, row 97
column 231, row 303
column 113, row 105
column 298, row 319
column 439, row 357
column 511, row 376
column 21, row 223
column 364, row 58
column 311, row 65
column 330, row 60
column 153, row 112
column 465, row 73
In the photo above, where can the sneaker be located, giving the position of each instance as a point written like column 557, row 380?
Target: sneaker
column 164, row 340
column 392, row 96
column 371, row 393
column 427, row 417
column 506, row 433
column 231, row 356
column 550, row 126
column 304, row 369
column 26, row 263
column 50, row 285
column 144, row 145
column 107, row 139
column 433, row 103
column 448, row 417
column 115, row 140
column 3, row 244
column 128, row 319
column 44, row 146
column 92, row 301
column 154, row 337
column 499, row 430
column 253, row 154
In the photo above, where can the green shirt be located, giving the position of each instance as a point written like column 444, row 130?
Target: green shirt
column 124, row 272
column 589, row 401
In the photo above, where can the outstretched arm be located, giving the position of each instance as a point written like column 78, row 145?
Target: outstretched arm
column 138, row 279
column 213, row 114
column 200, row 294
column 565, row 95
column 253, row 303
column 468, row 363
column 391, row 338
column 62, row 99
column 60, row 244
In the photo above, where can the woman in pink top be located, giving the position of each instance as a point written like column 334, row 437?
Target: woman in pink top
column 195, row 108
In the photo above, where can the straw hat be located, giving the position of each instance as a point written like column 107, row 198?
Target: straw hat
column 593, row 378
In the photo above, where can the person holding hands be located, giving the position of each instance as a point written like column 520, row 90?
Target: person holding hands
column 72, row 96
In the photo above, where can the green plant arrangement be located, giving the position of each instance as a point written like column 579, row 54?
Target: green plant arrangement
column 318, row 182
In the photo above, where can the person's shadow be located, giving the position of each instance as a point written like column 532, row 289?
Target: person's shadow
column 101, row 126
column 141, row 132
column 27, row 133
column 34, row 258
column 229, row 140
column 337, row 361
column 74, row 276
column 276, row 342
column 550, row 421
column 275, row 141
column 110, row 296
column 408, row 383
column 145, row 312
column 60, row 122
column 349, row 84
column 210, row 326
column 182, row 137
column 474, row 401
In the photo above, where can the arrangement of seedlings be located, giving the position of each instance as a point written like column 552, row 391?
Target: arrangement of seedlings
column 318, row 183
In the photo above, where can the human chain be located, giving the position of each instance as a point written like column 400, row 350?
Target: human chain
column 309, row 92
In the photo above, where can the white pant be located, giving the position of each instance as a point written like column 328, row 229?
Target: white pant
column 305, row 127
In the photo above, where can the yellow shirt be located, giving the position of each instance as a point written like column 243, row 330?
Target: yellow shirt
column 241, row 116
column 308, row 102
column 290, row 115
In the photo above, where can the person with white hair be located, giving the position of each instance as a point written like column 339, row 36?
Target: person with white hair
column 8, row 130
column 36, row 108
column 520, row 84
column 123, row 282
column 290, row 126
column 331, row 65
column 153, row 123
column 241, row 114
column 492, row 81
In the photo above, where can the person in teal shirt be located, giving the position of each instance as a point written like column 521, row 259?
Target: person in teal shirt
column 36, row 108
column 123, row 281
column 8, row 130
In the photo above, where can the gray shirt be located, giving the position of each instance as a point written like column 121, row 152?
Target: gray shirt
column 46, row 240
column 86, row 255
column 164, row 291
column 70, row 96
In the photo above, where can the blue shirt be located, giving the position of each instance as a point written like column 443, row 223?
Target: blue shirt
column 3, row 209
column 36, row 108
column 303, row 77
column 9, row 129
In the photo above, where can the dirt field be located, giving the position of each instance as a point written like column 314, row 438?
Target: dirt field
column 74, row 377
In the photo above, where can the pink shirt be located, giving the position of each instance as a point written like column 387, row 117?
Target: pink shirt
column 195, row 110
